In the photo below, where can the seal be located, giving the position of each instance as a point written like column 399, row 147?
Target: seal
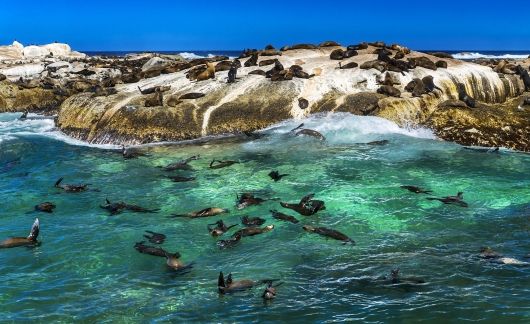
column 24, row 115
column 232, row 74
column 130, row 154
column 389, row 91
column 71, row 187
column 276, row 176
column 303, row 103
column 327, row 232
column 378, row 143
column 230, row 243
column 253, row 230
column 209, row 73
column 192, row 95
column 181, row 178
column 153, row 250
column 252, row 221
column 217, row 164
column 452, row 200
column 307, row 132
column 269, row 293
column 155, row 238
column 174, row 263
column 396, row 279
column 252, row 61
column 463, row 96
column 117, row 208
column 219, row 229
column 247, row 199
column 417, row 190
column 207, row 212
column 428, row 81
column 229, row 285
column 307, row 206
column 181, row 165
column 46, row 207
column 31, row 240
column 280, row 216
column 495, row 257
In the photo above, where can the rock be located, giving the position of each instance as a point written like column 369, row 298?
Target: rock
column 377, row 44
column 337, row 54
column 2, row 77
column 329, row 44
column 35, row 52
column 361, row 46
column 363, row 103
column 389, row 91
column 58, row 49
column 155, row 64
column 25, row 70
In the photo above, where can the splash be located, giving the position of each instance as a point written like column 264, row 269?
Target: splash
column 473, row 56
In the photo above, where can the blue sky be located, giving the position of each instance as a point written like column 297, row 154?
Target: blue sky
column 231, row 25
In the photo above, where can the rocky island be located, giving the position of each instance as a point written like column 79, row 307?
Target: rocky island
column 142, row 98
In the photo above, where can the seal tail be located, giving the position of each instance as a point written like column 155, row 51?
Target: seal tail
column 35, row 229
column 58, row 182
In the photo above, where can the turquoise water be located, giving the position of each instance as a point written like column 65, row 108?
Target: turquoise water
column 87, row 269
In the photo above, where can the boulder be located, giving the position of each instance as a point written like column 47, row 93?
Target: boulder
column 155, row 64
column 33, row 51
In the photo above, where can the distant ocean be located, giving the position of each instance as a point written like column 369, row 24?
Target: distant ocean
column 460, row 54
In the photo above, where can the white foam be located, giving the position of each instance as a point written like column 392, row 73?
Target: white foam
column 12, row 128
column 348, row 128
column 472, row 56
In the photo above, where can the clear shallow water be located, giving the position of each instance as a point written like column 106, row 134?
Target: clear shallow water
column 86, row 268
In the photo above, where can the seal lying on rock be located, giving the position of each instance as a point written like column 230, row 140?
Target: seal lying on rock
column 281, row 216
column 452, row 200
column 192, row 95
column 252, row 61
column 31, row 240
column 307, row 205
column 217, row 164
column 207, row 212
column 330, row 233
column 417, row 190
column 389, row 91
column 230, row 243
column 152, row 90
column 219, row 229
column 524, row 76
column 463, row 96
column 252, row 221
column 71, row 187
column 46, row 207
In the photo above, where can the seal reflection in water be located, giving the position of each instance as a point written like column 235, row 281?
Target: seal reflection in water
column 330, row 233
column 207, row 212
column 31, row 240
column 307, row 205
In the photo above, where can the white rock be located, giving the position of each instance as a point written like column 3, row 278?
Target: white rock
column 35, row 51
column 59, row 65
column 155, row 63
column 18, row 45
column 26, row 70
column 58, row 49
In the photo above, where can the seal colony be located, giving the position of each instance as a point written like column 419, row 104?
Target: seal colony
column 128, row 100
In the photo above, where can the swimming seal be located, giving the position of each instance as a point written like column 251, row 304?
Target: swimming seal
column 155, row 238
column 452, row 200
column 269, row 293
column 117, row 208
column 493, row 256
column 307, row 206
column 252, row 221
column 181, row 165
column 247, row 199
column 217, row 164
column 152, row 250
column 378, row 143
column 31, row 240
column 207, row 212
column 219, row 229
column 130, row 154
column 307, row 132
column 181, row 179
column 71, row 187
column 229, row 285
column 327, row 232
column 46, row 207
column 417, row 190
column 230, row 243
column 24, row 115
column 276, row 176
column 396, row 279
column 253, row 230
column 280, row 216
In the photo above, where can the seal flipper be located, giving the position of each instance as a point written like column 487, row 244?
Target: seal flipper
column 297, row 128
column 35, row 229
column 306, row 198
column 221, row 280
column 58, row 182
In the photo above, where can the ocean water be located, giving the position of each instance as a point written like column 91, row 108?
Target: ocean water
column 86, row 268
